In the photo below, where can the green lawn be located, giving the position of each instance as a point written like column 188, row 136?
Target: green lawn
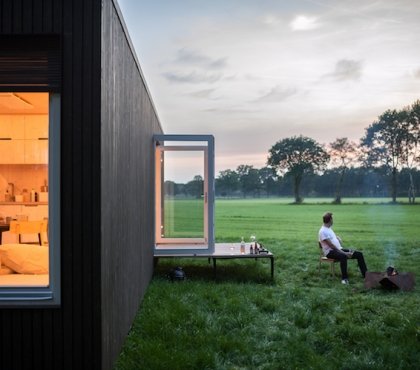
column 183, row 218
column 304, row 320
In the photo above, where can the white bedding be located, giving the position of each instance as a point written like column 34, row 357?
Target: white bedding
column 23, row 281
column 23, row 265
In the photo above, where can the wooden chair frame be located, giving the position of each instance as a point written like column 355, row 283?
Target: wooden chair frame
column 323, row 259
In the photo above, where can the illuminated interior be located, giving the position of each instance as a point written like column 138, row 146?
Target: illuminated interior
column 24, row 127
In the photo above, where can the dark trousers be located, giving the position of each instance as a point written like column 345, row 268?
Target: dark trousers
column 342, row 258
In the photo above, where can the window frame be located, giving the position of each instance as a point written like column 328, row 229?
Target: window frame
column 186, row 246
column 46, row 296
column 164, row 240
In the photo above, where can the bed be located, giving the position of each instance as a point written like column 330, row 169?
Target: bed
column 23, row 265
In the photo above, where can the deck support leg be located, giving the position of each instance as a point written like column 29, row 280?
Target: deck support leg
column 272, row 268
column 214, row 267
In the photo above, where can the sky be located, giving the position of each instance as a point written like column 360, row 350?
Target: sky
column 254, row 72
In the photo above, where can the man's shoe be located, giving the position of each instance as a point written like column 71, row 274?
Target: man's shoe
column 345, row 281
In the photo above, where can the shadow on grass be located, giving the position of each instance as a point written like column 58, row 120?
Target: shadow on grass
column 226, row 270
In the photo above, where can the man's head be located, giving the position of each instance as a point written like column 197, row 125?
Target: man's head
column 327, row 218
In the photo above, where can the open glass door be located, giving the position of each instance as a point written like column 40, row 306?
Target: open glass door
column 184, row 194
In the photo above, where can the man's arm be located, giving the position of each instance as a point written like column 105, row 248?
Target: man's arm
column 332, row 246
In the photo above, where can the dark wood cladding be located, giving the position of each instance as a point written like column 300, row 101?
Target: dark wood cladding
column 128, row 124
column 69, row 336
column 31, row 16
column 107, row 125
column 30, row 63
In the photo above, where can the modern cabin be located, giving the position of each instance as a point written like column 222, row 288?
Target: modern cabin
column 77, row 129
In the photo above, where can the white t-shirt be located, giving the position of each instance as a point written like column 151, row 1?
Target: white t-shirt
column 327, row 233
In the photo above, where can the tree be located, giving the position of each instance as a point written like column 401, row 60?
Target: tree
column 386, row 142
column 268, row 179
column 195, row 187
column 170, row 188
column 342, row 153
column 227, row 182
column 413, row 149
column 248, row 179
column 296, row 156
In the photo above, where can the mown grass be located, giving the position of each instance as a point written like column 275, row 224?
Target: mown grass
column 183, row 218
column 302, row 320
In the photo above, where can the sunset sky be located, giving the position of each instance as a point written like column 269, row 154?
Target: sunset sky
column 254, row 72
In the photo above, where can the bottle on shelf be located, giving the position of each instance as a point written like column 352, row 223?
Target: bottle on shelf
column 25, row 196
column 251, row 249
column 242, row 246
column 44, row 188
column 32, row 196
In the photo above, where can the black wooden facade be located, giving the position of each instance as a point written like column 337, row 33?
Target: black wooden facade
column 107, row 125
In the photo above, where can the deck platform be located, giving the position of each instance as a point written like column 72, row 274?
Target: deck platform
column 222, row 251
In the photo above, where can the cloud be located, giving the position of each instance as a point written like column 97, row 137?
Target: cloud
column 304, row 23
column 202, row 93
column 187, row 56
column 276, row 94
column 275, row 52
column 270, row 19
column 192, row 77
column 346, row 69
column 252, row 77
column 232, row 111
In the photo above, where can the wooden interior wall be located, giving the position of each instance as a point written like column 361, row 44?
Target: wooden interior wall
column 68, row 337
column 128, row 124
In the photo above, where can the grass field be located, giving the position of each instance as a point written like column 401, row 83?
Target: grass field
column 302, row 320
column 183, row 218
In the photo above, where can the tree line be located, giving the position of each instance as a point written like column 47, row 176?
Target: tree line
column 384, row 163
column 358, row 182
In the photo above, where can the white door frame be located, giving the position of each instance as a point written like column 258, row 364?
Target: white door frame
column 185, row 245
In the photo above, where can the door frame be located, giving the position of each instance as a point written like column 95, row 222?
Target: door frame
column 169, row 246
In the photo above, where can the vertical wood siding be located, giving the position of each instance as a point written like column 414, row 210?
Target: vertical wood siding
column 68, row 337
column 128, row 124
column 106, row 186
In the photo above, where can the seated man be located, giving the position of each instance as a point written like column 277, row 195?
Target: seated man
column 331, row 247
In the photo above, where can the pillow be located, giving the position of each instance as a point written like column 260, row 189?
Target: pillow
column 6, row 271
column 25, row 258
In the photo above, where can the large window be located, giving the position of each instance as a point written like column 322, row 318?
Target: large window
column 184, row 180
column 29, row 197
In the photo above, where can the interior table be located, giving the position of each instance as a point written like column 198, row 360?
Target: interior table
column 224, row 251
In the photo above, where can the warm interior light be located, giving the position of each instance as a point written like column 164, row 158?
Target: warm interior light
column 23, row 103
column 14, row 102
column 24, row 197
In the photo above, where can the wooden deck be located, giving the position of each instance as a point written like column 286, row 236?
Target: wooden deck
column 222, row 251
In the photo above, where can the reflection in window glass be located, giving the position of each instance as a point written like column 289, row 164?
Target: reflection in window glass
column 183, row 195
column 24, row 250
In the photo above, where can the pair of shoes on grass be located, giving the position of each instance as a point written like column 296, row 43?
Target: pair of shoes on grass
column 345, row 281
